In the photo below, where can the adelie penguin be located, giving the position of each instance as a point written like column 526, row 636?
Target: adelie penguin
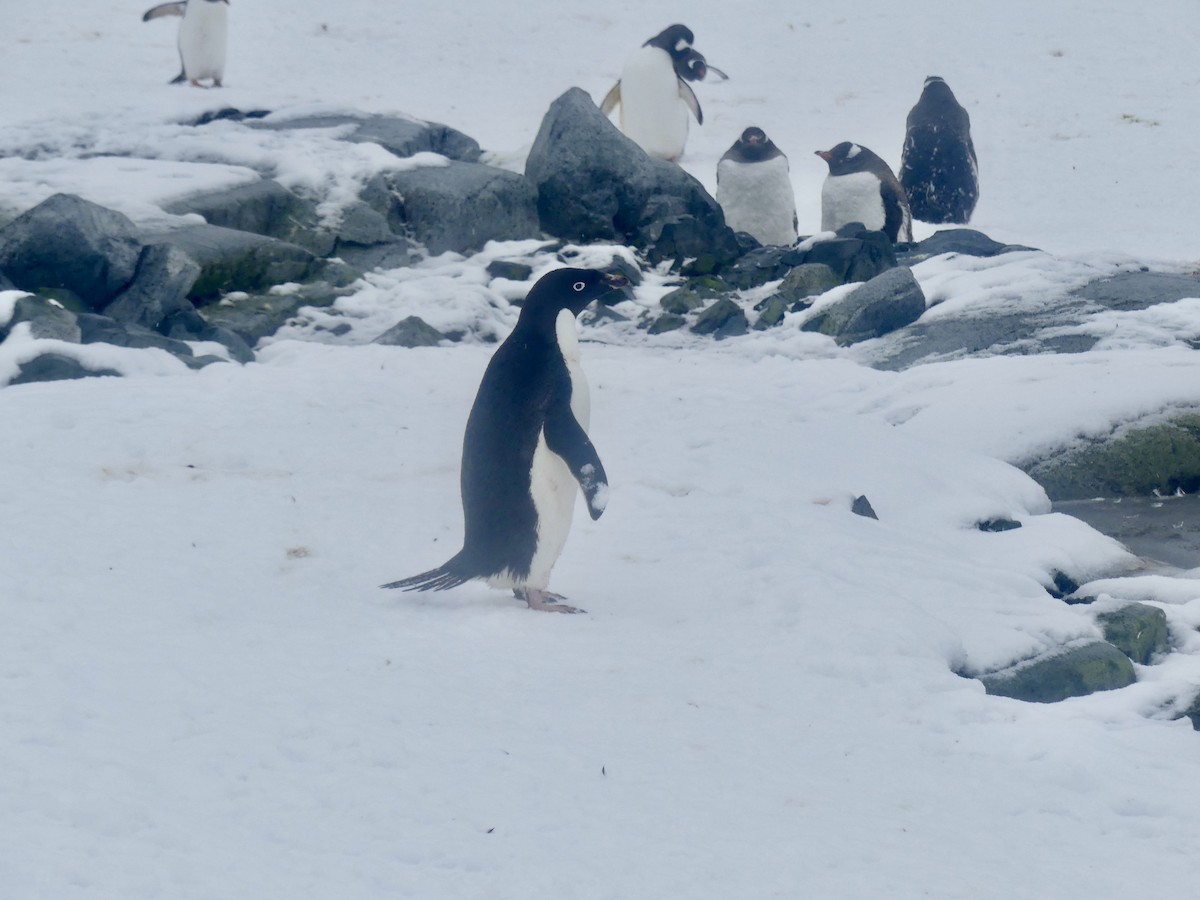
column 654, row 94
column 202, row 35
column 526, row 449
column 861, row 187
column 938, row 168
column 755, row 189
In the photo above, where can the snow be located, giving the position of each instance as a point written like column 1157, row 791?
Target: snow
column 203, row 693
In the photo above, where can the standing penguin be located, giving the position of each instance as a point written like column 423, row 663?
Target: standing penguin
column 861, row 187
column 755, row 190
column 938, row 168
column 201, row 38
column 526, row 447
column 654, row 93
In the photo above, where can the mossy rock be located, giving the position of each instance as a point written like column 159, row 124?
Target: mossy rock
column 1159, row 458
column 723, row 319
column 771, row 314
column 1071, row 672
column 665, row 323
column 1137, row 630
column 692, row 295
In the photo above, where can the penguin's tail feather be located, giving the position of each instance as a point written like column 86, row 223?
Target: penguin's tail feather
column 444, row 577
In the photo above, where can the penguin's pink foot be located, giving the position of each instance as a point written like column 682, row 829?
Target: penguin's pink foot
column 545, row 601
column 194, row 83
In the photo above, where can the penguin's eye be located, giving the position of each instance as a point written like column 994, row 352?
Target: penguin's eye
column 579, row 286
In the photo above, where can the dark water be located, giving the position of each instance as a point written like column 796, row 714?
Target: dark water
column 1165, row 529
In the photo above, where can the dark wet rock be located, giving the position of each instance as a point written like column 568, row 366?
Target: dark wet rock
column 195, row 328
column 262, row 207
column 1070, row 672
column 56, row 367
column 1137, row 630
column 666, row 323
column 887, row 302
column 1062, row 585
column 512, row 271
column 462, row 206
column 693, row 294
column 70, row 245
column 1139, row 290
column 963, row 241
column 862, row 507
column 723, row 319
column 761, row 265
column 411, row 332
column 229, row 114
column 232, row 260
column 362, row 225
column 97, row 329
column 997, row 525
column 161, row 286
column 770, row 313
column 47, row 319
column 255, row 316
column 1162, row 458
column 594, row 184
column 401, row 136
column 804, row 282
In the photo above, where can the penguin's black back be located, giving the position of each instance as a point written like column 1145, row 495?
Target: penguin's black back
column 938, row 168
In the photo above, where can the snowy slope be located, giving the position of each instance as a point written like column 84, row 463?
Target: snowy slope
column 204, row 694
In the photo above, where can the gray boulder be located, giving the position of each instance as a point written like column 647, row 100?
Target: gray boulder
column 231, row 260
column 594, row 184
column 462, row 206
column 161, row 285
column 882, row 305
column 72, row 248
column 402, row 136
column 964, row 241
column 55, row 367
column 411, row 332
column 260, row 315
column 263, row 207
column 1138, row 630
column 723, row 319
column 1069, row 672
column 47, row 319
column 102, row 329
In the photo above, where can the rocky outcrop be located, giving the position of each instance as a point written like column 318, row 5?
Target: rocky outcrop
column 884, row 304
column 1072, row 671
column 401, row 136
column 594, row 184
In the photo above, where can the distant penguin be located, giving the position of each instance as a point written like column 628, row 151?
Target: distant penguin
column 861, row 187
column 654, row 93
column 938, row 168
column 202, row 36
column 755, row 190
column 526, row 447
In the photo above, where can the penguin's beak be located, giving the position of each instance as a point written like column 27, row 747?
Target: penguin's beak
column 616, row 280
column 826, row 155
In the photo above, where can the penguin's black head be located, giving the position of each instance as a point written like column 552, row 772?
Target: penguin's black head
column 677, row 40
column 754, row 137
column 561, row 289
column 847, row 158
column 937, row 91
column 753, row 146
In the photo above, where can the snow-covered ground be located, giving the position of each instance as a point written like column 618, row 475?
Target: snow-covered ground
column 204, row 694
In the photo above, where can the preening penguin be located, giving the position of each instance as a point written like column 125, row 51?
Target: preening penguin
column 938, row 168
column 202, row 36
column 755, row 190
column 526, row 448
column 861, row 187
column 654, row 94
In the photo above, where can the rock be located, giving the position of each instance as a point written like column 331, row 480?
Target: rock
column 97, row 329
column 233, row 260
column 1166, row 529
column 1160, row 459
column 964, row 241
column 996, row 525
column 511, row 271
column 862, row 507
column 411, row 332
column 255, row 316
column 771, row 313
column 1139, row 290
column 594, row 184
column 1070, row 672
column 47, row 319
column 1192, row 712
column 805, row 281
column 161, row 285
column 723, row 319
column 761, row 265
column 262, row 207
column 55, row 367
column 229, row 114
column 401, row 136
column 1137, row 630
column 195, row 328
column 666, row 323
column 69, row 244
column 858, row 258
column 462, row 206
column 693, row 294
column 882, row 305
column 363, row 226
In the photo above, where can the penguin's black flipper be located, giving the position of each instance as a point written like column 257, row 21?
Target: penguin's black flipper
column 689, row 97
column 611, row 99
column 179, row 79
column 442, row 578
column 566, row 437
column 164, row 9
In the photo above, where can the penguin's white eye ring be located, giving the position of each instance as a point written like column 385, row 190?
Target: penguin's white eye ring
column 579, row 285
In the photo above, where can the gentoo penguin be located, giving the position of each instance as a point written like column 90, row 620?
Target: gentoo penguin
column 860, row 187
column 526, row 447
column 938, row 168
column 201, row 38
column 654, row 93
column 755, row 191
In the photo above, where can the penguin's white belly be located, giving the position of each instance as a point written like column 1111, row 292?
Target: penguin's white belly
column 851, row 198
column 653, row 115
column 202, row 36
column 758, row 198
